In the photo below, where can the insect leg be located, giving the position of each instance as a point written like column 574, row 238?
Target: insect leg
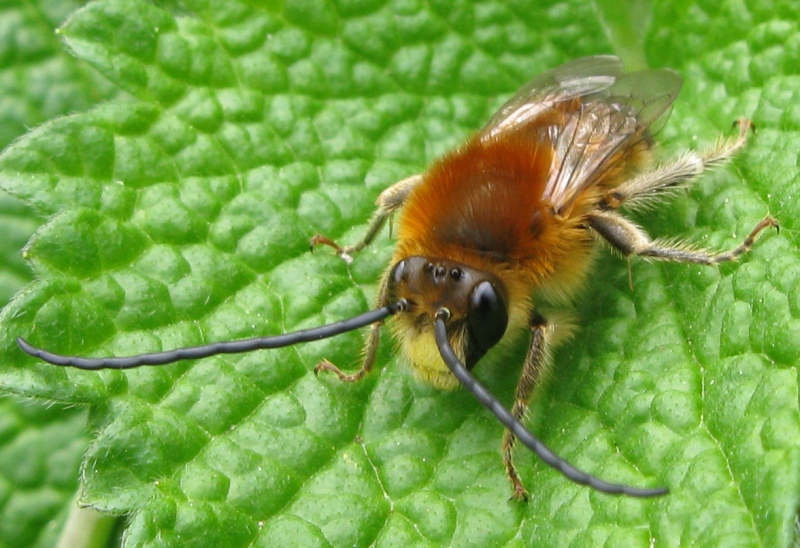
column 535, row 362
column 630, row 239
column 371, row 344
column 676, row 173
column 388, row 202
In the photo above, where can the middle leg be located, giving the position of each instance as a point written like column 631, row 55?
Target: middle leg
column 535, row 363
column 389, row 201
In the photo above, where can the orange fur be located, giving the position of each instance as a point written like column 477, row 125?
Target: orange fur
column 481, row 205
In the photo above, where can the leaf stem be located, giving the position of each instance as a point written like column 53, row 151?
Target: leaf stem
column 86, row 528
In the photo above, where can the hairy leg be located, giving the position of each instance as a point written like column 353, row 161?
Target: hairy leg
column 535, row 362
column 388, row 202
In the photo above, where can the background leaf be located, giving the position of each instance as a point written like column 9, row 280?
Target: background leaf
column 41, row 443
column 179, row 214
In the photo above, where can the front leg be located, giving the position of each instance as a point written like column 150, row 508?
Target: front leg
column 535, row 363
column 371, row 344
column 389, row 201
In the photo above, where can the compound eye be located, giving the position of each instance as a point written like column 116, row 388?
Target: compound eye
column 397, row 272
column 487, row 319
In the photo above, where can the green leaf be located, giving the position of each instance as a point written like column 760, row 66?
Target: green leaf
column 38, row 78
column 42, row 443
column 40, row 450
column 182, row 216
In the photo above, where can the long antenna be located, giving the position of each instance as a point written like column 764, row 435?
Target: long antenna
column 231, row 347
column 518, row 429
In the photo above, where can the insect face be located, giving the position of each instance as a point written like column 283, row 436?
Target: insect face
column 476, row 304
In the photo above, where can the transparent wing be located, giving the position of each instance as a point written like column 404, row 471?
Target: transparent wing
column 590, row 113
column 600, row 128
column 569, row 81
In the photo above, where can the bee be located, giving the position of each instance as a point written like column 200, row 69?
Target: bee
column 505, row 226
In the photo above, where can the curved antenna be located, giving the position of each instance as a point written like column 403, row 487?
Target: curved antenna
column 518, row 429
column 231, row 347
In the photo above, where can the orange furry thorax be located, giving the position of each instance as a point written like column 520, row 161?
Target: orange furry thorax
column 482, row 205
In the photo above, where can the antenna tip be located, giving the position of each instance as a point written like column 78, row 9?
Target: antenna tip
column 24, row 345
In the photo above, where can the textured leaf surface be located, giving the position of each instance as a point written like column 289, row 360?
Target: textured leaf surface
column 182, row 217
column 41, row 443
